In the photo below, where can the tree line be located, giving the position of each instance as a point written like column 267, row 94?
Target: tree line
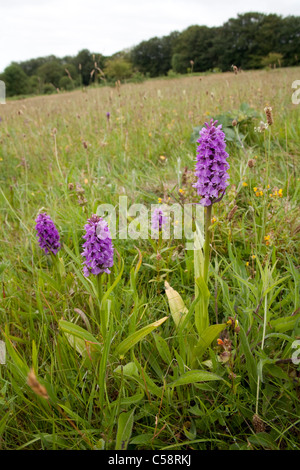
column 249, row 41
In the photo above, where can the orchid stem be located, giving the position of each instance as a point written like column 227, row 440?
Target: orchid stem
column 207, row 242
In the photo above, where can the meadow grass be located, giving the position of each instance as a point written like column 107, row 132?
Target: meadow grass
column 92, row 388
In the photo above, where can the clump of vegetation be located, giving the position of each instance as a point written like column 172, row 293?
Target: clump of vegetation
column 161, row 348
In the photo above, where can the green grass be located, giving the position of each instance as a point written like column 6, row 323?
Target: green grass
column 112, row 380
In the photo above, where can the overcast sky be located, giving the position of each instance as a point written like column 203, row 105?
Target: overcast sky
column 36, row 28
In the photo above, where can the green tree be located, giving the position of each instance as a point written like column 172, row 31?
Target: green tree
column 51, row 72
column 194, row 44
column 272, row 59
column 118, row 69
column 16, row 80
column 154, row 57
column 87, row 64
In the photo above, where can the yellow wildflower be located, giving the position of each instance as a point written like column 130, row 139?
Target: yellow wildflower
column 159, row 200
column 245, row 184
column 255, row 189
column 280, row 192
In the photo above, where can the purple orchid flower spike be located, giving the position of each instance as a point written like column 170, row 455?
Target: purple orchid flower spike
column 211, row 165
column 98, row 248
column 47, row 234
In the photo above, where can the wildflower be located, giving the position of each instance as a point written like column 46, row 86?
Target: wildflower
column 159, row 200
column 234, row 324
column 213, row 220
column 162, row 157
column 267, row 240
column 232, row 212
column 262, row 127
column 251, row 162
column 245, row 184
column 211, row 165
column 47, row 234
column 255, row 189
column 268, row 111
column 247, row 263
column 220, row 341
column 257, row 194
column 98, row 247
column 261, row 193
column 253, row 256
column 181, row 191
column 35, row 385
column 280, row 193
column 108, row 115
column 258, row 424
column 158, row 219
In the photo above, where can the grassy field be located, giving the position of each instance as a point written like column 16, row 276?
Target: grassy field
column 101, row 362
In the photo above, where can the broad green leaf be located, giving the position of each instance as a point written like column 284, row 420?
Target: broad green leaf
column 76, row 331
column 284, row 324
column 125, row 424
column 201, row 309
column 142, row 439
column 129, row 369
column 137, row 336
column 163, row 348
column 77, row 343
column 206, row 338
column 250, row 361
column 194, row 376
column 176, row 304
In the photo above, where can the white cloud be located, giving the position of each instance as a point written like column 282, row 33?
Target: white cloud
column 34, row 28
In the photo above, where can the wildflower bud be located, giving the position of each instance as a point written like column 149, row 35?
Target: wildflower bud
column 79, row 189
column 232, row 212
column 234, row 122
column 258, row 424
column 251, row 163
column 269, row 117
column 158, row 219
column 47, row 234
column 70, row 186
column 34, row 384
